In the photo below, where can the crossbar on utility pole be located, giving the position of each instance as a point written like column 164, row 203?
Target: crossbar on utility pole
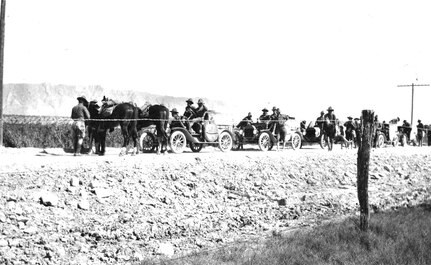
column 2, row 26
column 413, row 94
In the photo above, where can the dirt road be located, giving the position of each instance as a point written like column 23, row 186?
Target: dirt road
column 56, row 208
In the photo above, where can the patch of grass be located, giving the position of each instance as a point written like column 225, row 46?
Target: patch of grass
column 395, row 237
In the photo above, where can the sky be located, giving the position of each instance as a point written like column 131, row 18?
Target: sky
column 301, row 56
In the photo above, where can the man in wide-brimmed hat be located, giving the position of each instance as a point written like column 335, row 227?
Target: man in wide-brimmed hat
column 265, row 116
column 201, row 109
column 79, row 115
column 189, row 113
column 176, row 119
column 329, row 127
column 350, row 128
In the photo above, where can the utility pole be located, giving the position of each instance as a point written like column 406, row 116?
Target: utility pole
column 2, row 23
column 413, row 94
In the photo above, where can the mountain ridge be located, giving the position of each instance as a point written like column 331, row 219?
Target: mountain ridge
column 57, row 100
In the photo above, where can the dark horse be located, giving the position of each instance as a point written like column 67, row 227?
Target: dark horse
column 155, row 115
column 124, row 115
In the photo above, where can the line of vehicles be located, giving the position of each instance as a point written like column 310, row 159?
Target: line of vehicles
column 228, row 138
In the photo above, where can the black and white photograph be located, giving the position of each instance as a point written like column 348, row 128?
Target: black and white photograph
column 215, row 132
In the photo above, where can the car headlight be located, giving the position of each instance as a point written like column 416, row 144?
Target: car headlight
column 241, row 132
column 255, row 131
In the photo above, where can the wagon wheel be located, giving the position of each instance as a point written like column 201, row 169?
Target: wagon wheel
column 296, row 141
column 147, row 142
column 177, row 142
column 265, row 142
column 380, row 140
column 225, row 142
column 196, row 147
column 322, row 142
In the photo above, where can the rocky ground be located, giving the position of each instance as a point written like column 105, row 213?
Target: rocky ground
column 60, row 209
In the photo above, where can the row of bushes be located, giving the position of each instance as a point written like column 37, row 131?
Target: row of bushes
column 57, row 135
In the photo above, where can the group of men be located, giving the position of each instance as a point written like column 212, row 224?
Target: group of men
column 276, row 121
column 191, row 114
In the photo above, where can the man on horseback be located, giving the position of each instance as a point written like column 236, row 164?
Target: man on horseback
column 80, row 113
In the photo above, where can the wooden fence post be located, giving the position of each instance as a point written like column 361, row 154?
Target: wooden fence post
column 365, row 141
column 2, row 26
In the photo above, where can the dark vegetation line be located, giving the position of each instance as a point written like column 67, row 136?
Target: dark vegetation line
column 55, row 135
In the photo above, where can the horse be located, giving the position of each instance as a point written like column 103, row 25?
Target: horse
column 125, row 115
column 155, row 115
column 92, row 126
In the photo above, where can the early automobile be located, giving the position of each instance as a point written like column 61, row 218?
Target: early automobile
column 390, row 134
column 263, row 134
column 208, row 133
column 312, row 134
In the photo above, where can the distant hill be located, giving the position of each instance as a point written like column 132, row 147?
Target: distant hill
column 58, row 100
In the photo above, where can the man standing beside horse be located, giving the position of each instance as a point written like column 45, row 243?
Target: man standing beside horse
column 80, row 113
column 329, row 127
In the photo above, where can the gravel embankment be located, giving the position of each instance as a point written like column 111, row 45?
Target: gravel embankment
column 55, row 208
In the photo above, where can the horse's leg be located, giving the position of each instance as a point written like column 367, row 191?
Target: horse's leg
column 134, row 134
column 102, row 143
column 125, row 140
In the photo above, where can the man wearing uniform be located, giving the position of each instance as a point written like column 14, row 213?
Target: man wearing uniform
column 245, row 121
column 264, row 117
column 349, row 128
column 79, row 115
column 176, row 119
column 329, row 127
column 189, row 113
column 201, row 109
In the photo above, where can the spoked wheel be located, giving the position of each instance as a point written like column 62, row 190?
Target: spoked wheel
column 225, row 142
column 380, row 141
column 196, row 147
column 177, row 142
column 296, row 141
column 265, row 142
column 322, row 142
column 147, row 142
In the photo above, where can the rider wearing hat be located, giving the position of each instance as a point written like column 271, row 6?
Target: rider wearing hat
column 79, row 114
column 264, row 117
column 176, row 119
column 329, row 127
column 201, row 109
column 350, row 127
column 190, row 111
